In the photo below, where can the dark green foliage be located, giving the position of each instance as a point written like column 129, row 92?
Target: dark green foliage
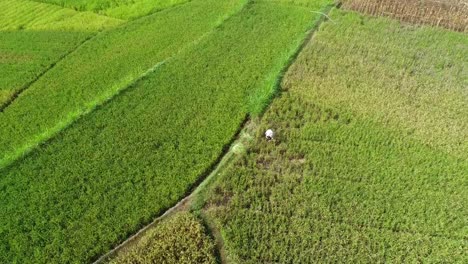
column 181, row 239
column 115, row 169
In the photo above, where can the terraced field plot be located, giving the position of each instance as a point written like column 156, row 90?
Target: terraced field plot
column 121, row 119
column 352, row 176
column 101, row 68
column 122, row 164
column 28, row 15
column 123, row 9
column 34, row 36
column 180, row 239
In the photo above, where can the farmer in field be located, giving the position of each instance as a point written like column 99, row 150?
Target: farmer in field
column 269, row 134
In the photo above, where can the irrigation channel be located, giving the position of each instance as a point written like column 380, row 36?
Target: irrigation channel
column 239, row 143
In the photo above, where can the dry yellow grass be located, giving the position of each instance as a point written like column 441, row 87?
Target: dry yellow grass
column 451, row 14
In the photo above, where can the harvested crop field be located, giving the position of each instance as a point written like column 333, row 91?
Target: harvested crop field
column 135, row 131
column 451, row 14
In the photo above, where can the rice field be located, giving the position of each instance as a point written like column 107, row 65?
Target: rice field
column 350, row 176
column 99, row 69
column 180, row 239
column 166, row 130
column 114, row 111
column 34, row 36
column 122, row 9
column 28, row 15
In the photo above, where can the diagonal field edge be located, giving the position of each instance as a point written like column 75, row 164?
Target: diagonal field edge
column 73, row 117
column 153, row 11
column 226, row 156
column 17, row 93
column 23, row 88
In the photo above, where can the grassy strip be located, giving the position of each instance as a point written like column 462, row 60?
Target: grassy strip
column 89, row 76
column 28, row 15
column 34, row 36
column 114, row 170
column 122, row 9
column 24, row 65
column 338, row 185
column 179, row 239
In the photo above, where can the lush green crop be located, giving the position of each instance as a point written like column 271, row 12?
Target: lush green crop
column 33, row 36
column 99, row 69
column 116, row 168
column 124, row 9
column 26, row 54
column 178, row 240
column 25, row 14
column 342, row 182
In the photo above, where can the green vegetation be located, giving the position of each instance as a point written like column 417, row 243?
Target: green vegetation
column 347, row 178
column 410, row 78
column 34, row 36
column 123, row 9
column 101, row 68
column 180, row 239
column 24, row 55
column 113, row 170
column 24, row 15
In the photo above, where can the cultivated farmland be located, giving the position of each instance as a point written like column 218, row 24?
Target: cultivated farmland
column 123, row 9
column 180, row 239
column 165, row 130
column 354, row 178
column 99, row 69
column 134, row 131
column 34, row 36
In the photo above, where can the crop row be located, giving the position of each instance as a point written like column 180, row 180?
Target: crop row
column 313, row 194
column 122, row 9
column 340, row 183
column 115, row 169
column 413, row 80
column 34, row 36
column 24, row 55
column 25, row 14
column 451, row 14
column 177, row 240
column 101, row 68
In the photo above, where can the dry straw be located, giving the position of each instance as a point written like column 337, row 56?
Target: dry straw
column 451, row 14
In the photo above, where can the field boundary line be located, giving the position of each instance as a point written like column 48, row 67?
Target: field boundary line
column 26, row 86
column 73, row 117
column 223, row 160
column 153, row 11
column 309, row 35
column 277, row 90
